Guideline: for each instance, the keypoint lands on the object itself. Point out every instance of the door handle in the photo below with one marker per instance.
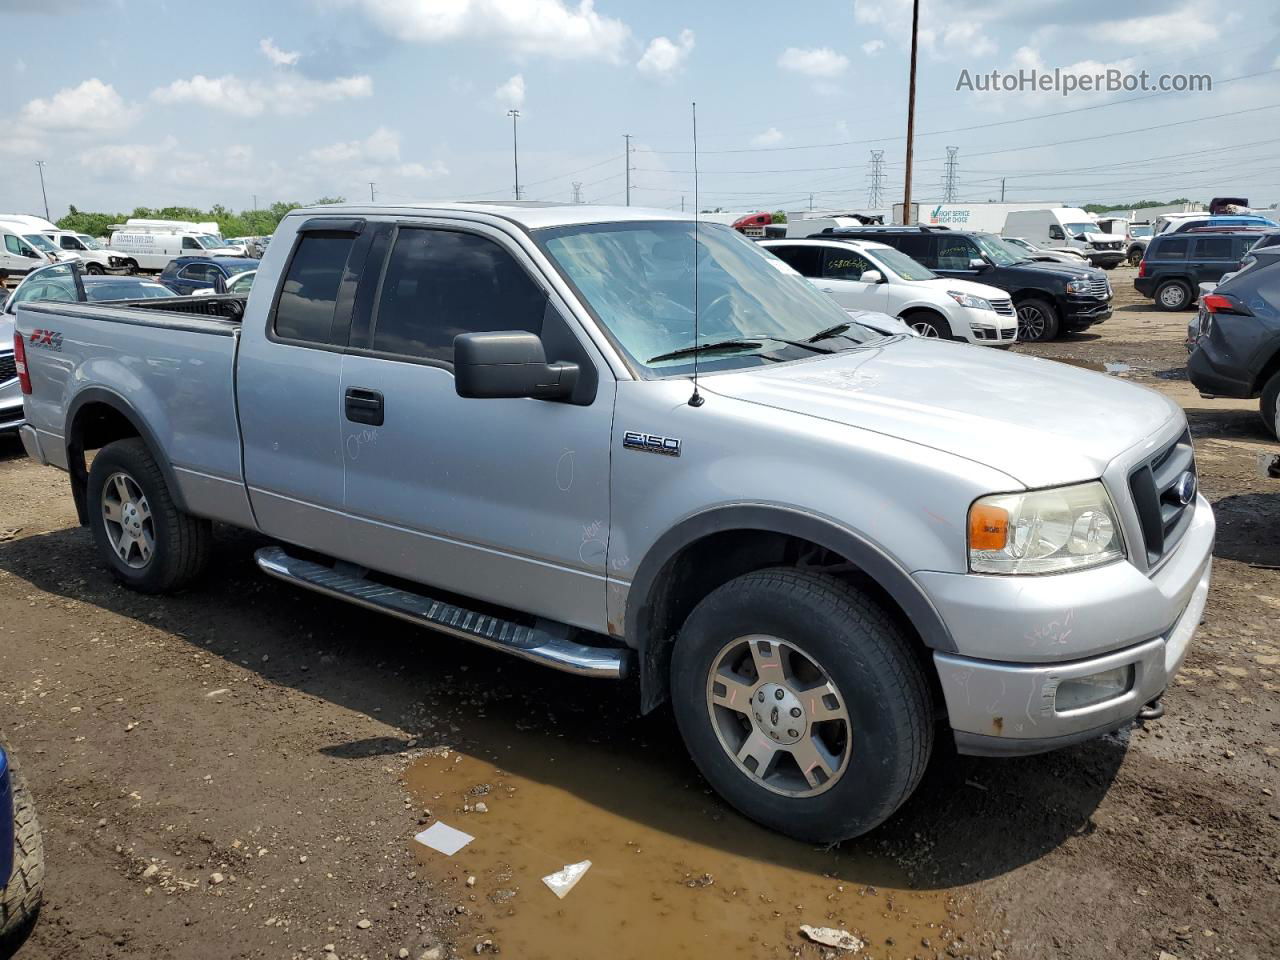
(363, 405)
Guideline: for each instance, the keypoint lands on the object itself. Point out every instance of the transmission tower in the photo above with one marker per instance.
(949, 176)
(875, 194)
(577, 191)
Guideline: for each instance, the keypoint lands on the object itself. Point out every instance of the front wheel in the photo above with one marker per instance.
(802, 703)
(1269, 405)
(149, 544)
(20, 898)
(94, 269)
(1037, 320)
(1173, 295)
(929, 325)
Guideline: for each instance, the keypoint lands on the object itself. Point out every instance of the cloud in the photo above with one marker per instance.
(511, 93)
(376, 155)
(872, 47)
(287, 94)
(281, 58)
(1184, 27)
(131, 160)
(963, 34)
(93, 106)
(663, 58)
(551, 28)
(768, 138)
(822, 62)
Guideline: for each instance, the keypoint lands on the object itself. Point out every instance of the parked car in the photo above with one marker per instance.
(239, 284)
(186, 275)
(1067, 226)
(61, 282)
(1190, 223)
(1140, 235)
(1236, 343)
(90, 251)
(1050, 298)
(862, 275)
(21, 858)
(1030, 251)
(814, 550)
(1177, 263)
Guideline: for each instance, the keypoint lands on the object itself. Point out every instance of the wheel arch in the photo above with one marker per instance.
(98, 416)
(1267, 370)
(711, 548)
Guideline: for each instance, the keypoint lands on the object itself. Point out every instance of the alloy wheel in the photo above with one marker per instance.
(128, 521)
(1031, 322)
(779, 716)
(926, 329)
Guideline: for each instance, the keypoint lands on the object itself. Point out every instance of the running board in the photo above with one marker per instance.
(546, 643)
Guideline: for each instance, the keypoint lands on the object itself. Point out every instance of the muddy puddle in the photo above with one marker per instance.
(675, 873)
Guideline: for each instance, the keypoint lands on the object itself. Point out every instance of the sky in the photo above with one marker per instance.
(153, 103)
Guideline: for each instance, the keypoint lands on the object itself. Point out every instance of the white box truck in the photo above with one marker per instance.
(1070, 227)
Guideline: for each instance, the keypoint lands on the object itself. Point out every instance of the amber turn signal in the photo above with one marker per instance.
(988, 527)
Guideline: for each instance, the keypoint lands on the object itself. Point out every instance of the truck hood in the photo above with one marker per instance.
(1063, 271)
(1041, 422)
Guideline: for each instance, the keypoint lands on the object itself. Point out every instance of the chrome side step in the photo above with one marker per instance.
(546, 643)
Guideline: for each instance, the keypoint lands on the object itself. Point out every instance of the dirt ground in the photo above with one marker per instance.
(239, 771)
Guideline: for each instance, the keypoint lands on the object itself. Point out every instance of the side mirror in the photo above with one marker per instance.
(871, 276)
(977, 263)
(509, 363)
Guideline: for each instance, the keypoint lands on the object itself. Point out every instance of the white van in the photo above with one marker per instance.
(151, 244)
(23, 248)
(1070, 227)
(89, 250)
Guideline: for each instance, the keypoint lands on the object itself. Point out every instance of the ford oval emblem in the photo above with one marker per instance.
(1185, 488)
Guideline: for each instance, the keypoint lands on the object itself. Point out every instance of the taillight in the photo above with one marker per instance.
(1142, 268)
(1218, 303)
(20, 361)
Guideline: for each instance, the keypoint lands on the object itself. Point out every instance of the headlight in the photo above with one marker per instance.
(1078, 286)
(967, 300)
(1044, 531)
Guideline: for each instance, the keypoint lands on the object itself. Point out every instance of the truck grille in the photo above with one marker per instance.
(1100, 287)
(8, 367)
(1003, 307)
(1158, 490)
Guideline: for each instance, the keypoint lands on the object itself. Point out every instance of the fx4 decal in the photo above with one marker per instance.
(48, 339)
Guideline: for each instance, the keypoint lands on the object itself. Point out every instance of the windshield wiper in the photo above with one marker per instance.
(736, 344)
(826, 333)
(802, 344)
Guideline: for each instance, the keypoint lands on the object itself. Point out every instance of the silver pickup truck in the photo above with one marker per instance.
(820, 543)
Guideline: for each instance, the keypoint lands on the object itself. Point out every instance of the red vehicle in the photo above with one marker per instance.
(753, 224)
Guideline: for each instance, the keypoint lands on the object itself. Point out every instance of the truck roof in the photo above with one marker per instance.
(530, 214)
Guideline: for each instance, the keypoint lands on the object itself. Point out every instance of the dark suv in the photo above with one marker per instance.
(1237, 343)
(1177, 263)
(1051, 298)
(186, 275)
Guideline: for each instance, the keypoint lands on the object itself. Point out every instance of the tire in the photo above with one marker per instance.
(929, 325)
(94, 269)
(131, 266)
(20, 900)
(1174, 295)
(1269, 405)
(149, 544)
(1037, 320)
(1135, 256)
(872, 756)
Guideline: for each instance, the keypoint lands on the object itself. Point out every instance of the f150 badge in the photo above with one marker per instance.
(651, 443)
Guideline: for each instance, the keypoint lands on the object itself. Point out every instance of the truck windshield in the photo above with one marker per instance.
(638, 278)
(1143, 231)
(93, 243)
(1074, 228)
(206, 241)
(40, 243)
(996, 250)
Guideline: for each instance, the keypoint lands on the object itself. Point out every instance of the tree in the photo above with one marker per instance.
(779, 216)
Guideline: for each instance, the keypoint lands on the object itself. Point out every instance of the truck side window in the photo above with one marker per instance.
(844, 264)
(1055, 232)
(189, 243)
(1173, 248)
(805, 260)
(440, 283)
(955, 253)
(12, 245)
(310, 291)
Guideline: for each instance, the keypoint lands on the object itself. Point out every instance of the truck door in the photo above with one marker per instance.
(842, 269)
(505, 500)
(288, 387)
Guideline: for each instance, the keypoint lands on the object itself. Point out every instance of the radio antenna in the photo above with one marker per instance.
(695, 400)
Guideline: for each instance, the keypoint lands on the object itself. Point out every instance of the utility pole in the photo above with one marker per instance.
(682, 203)
(627, 157)
(577, 191)
(40, 166)
(911, 113)
(1002, 189)
(875, 195)
(515, 148)
(371, 182)
(255, 201)
(811, 203)
(949, 177)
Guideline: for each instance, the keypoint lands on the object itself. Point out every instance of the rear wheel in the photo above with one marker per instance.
(1269, 405)
(20, 899)
(802, 704)
(1037, 320)
(1135, 256)
(1173, 295)
(149, 544)
(929, 325)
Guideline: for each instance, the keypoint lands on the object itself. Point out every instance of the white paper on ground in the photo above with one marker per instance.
(444, 838)
(562, 881)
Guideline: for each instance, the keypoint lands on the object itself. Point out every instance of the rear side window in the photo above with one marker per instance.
(1173, 248)
(441, 283)
(805, 260)
(919, 247)
(1215, 248)
(1243, 245)
(844, 264)
(310, 292)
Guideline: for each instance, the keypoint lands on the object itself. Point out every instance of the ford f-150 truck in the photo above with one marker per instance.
(618, 442)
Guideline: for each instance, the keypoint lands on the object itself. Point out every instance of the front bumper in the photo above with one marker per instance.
(1023, 637)
(988, 328)
(1106, 258)
(1080, 312)
(11, 416)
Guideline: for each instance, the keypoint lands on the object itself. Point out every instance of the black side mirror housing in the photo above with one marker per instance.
(506, 364)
